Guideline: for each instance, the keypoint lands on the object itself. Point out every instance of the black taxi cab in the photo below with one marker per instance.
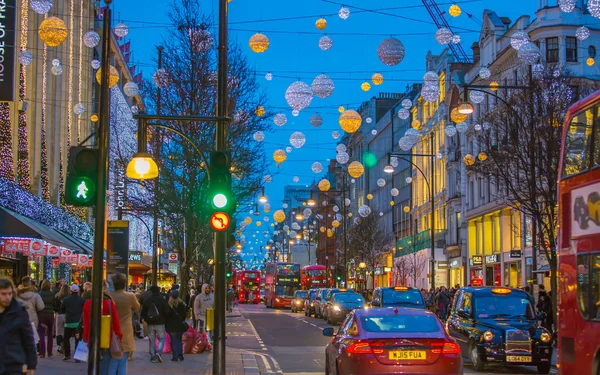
(495, 325)
(398, 296)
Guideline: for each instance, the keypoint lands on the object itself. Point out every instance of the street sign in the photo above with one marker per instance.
(219, 221)
(173, 257)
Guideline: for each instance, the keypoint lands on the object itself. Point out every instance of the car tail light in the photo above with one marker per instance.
(445, 348)
(365, 348)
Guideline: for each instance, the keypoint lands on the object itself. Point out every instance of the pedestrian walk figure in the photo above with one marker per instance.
(82, 190)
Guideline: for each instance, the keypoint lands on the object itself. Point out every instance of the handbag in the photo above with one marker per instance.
(186, 326)
(81, 352)
(116, 346)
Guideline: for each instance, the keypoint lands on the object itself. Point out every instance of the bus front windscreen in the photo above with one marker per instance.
(288, 270)
(285, 291)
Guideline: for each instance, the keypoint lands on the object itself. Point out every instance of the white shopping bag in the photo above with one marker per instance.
(36, 336)
(81, 352)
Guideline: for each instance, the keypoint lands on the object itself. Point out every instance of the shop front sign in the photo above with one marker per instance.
(476, 260)
(456, 263)
(8, 16)
(491, 258)
(135, 257)
(516, 254)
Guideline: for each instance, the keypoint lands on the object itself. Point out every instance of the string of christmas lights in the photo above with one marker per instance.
(23, 166)
(44, 180)
(6, 150)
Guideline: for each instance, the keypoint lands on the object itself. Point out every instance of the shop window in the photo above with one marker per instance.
(596, 137)
(588, 285)
(592, 51)
(571, 44)
(552, 50)
(577, 144)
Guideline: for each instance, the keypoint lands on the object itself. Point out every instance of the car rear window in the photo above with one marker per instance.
(400, 323)
(301, 294)
(348, 297)
(396, 297)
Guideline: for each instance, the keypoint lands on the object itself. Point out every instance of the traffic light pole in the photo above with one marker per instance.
(220, 237)
(100, 223)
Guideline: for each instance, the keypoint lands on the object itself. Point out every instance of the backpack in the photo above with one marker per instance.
(153, 313)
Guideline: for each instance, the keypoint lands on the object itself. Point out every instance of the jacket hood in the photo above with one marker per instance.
(204, 286)
(27, 292)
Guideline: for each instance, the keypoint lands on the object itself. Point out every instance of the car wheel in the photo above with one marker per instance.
(543, 368)
(478, 364)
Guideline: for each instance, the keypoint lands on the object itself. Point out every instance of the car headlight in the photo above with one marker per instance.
(488, 335)
(312, 304)
(298, 302)
(277, 300)
(336, 308)
(545, 337)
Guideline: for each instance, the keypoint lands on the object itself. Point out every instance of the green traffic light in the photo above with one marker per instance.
(228, 274)
(220, 200)
(82, 190)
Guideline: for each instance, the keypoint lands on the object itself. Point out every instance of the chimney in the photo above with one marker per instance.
(476, 52)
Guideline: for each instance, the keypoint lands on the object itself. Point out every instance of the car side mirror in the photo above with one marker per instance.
(464, 313)
(328, 332)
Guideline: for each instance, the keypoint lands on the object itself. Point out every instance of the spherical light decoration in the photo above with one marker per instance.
(121, 30)
(162, 78)
(381, 182)
(364, 210)
(131, 89)
(295, 113)
(394, 161)
(78, 109)
(430, 93)
(366, 86)
(450, 131)
(408, 180)
(279, 156)
(439, 155)
(356, 169)
(342, 157)
(266, 220)
(295, 226)
(486, 126)
(113, 78)
(258, 224)
(201, 40)
(485, 73)
(462, 127)
(335, 223)
(431, 78)
(482, 156)
(268, 76)
(268, 179)
(260, 111)
(288, 149)
(41, 6)
(478, 127)
(529, 53)
(325, 43)
(494, 85)
(412, 135)
(416, 124)
(582, 33)
(94, 118)
(299, 95)
(297, 139)
(469, 159)
(324, 185)
(53, 31)
(454, 10)
(55, 62)
(405, 144)
(590, 61)
(369, 196)
(259, 43)
(457, 116)
(594, 7)
(317, 167)
(403, 113)
(321, 24)
(394, 192)
(391, 51)
(340, 148)
(322, 86)
(519, 39)
(377, 79)
(341, 109)
(456, 39)
(25, 57)
(443, 36)
(259, 136)
(344, 13)
(285, 205)
(316, 120)
(374, 132)
(335, 134)
(406, 103)
(347, 202)
(296, 179)
(330, 233)
(350, 121)
(91, 39)
(248, 220)
(476, 96)
(280, 119)
(335, 208)
(307, 212)
(96, 64)
(566, 6)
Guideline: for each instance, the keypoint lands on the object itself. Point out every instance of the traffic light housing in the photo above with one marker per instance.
(221, 201)
(81, 186)
(228, 271)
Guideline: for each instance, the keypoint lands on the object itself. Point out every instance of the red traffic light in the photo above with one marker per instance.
(219, 221)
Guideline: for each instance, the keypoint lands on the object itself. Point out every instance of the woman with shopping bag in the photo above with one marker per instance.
(111, 348)
(176, 324)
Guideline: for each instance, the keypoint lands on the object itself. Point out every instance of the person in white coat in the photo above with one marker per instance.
(202, 302)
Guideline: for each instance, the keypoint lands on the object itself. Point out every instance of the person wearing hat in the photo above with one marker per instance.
(72, 307)
(176, 324)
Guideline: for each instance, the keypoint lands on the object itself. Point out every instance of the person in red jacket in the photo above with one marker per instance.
(108, 308)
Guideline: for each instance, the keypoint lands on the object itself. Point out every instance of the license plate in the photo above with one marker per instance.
(418, 355)
(518, 358)
(288, 305)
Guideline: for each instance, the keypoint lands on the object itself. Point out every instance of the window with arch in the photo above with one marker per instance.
(592, 51)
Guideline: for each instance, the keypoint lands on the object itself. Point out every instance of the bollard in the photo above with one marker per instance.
(210, 319)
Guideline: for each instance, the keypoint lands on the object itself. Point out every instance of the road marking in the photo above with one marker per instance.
(260, 341)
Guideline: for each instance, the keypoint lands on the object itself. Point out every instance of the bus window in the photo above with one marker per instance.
(588, 285)
(596, 160)
(577, 145)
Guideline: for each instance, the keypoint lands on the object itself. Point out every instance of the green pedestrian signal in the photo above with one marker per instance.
(338, 278)
(81, 183)
(228, 274)
(220, 194)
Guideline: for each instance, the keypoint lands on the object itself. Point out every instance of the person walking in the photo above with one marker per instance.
(46, 317)
(108, 308)
(154, 313)
(27, 295)
(60, 317)
(127, 304)
(87, 290)
(444, 302)
(204, 301)
(192, 304)
(176, 324)
(16, 346)
(72, 307)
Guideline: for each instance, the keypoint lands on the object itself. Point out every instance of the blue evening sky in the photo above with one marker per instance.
(294, 54)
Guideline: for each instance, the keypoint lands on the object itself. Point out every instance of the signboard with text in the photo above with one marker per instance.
(117, 247)
(8, 17)
(120, 189)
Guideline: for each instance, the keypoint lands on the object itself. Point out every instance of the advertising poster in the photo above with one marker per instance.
(117, 247)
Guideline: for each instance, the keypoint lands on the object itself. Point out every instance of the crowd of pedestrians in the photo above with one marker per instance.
(33, 316)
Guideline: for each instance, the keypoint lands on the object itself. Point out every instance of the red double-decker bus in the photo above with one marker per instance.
(579, 240)
(282, 279)
(314, 276)
(248, 286)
